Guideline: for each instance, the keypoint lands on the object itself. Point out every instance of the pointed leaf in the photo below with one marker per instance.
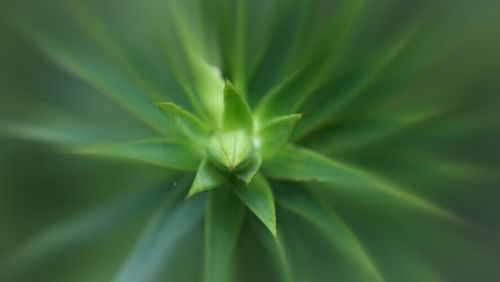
(258, 197)
(305, 205)
(299, 164)
(274, 134)
(78, 229)
(247, 170)
(156, 245)
(187, 123)
(170, 154)
(208, 177)
(237, 113)
(223, 220)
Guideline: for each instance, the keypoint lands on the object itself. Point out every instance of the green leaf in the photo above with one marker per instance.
(156, 245)
(258, 197)
(237, 113)
(187, 123)
(78, 229)
(209, 86)
(305, 205)
(247, 170)
(274, 134)
(170, 154)
(223, 221)
(229, 149)
(208, 177)
(275, 249)
(299, 164)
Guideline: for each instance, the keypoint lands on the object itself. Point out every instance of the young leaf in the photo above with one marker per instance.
(247, 170)
(274, 134)
(223, 220)
(237, 113)
(170, 154)
(208, 177)
(187, 123)
(299, 164)
(258, 197)
(305, 205)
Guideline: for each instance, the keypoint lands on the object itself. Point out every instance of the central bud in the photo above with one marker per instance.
(230, 143)
(231, 150)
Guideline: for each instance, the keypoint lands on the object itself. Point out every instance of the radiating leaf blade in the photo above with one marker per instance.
(305, 205)
(155, 247)
(299, 164)
(274, 134)
(76, 230)
(170, 154)
(223, 220)
(187, 123)
(258, 197)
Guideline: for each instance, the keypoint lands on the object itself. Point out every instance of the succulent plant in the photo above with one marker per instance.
(267, 140)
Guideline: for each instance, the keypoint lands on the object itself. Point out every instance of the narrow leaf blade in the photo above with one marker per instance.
(156, 245)
(223, 220)
(305, 205)
(170, 154)
(299, 164)
(258, 197)
(187, 123)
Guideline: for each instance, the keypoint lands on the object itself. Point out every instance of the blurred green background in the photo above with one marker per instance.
(412, 93)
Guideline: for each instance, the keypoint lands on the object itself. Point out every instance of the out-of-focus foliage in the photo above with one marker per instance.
(392, 174)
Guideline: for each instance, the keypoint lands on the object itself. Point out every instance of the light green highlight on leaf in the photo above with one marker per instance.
(210, 86)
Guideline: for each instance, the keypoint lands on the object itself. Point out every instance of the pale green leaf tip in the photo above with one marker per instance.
(170, 109)
(194, 189)
(272, 228)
